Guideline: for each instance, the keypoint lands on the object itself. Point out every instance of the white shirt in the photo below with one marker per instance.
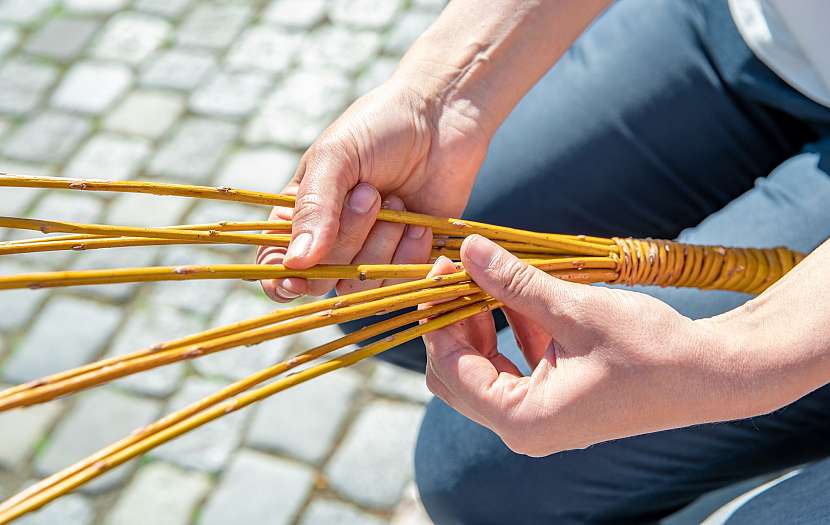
(792, 37)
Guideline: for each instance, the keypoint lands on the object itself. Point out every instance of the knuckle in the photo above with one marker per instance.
(516, 278)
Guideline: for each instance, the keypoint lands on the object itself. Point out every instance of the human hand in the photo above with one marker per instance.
(606, 363)
(395, 147)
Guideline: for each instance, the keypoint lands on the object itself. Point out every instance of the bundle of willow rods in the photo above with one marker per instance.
(444, 299)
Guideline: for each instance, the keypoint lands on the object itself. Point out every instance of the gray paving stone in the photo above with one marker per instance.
(194, 150)
(300, 14)
(376, 74)
(95, 6)
(23, 84)
(198, 297)
(5, 125)
(146, 327)
(92, 87)
(208, 448)
(240, 362)
(410, 510)
(9, 36)
(159, 494)
(406, 30)
(213, 25)
(435, 5)
(99, 418)
(262, 169)
(332, 512)
(178, 69)
(69, 332)
(68, 510)
(23, 11)
(109, 156)
(25, 430)
(374, 463)
(62, 39)
(134, 209)
(264, 48)
(393, 381)
(230, 94)
(15, 201)
(304, 422)
(114, 258)
(368, 14)
(131, 37)
(337, 47)
(48, 137)
(147, 113)
(300, 108)
(170, 8)
(17, 306)
(258, 489)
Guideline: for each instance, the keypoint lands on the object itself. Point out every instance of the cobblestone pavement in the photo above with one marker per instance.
(207, 92)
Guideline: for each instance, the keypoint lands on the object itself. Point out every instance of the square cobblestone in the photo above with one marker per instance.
(115, 258)
(194, 150)
(178, 69)
(16, 201)
(264, 48)
(131, 37)
(393, 381)
(108, 156)
(160, 494)
(134, 209)
(229, 94)
(300, 108)
(300, 14)
(23, 11)
(61, 338)
(213, 25)
(340, 48)
(23, 84)
(240, 362)
(148, 326)
(264, 169)
(406, 30)
(98, 7)
(333, 512)
(48, 137)
(9, 36)
(99, 418)
(30, 426)
(92, 87)
(169, 8)
(374, 463)
(68, 510)
(18, 306)
(367, 14)
(376, 74)
(146, 113)
(258, 489)
(198, 297)
(317, 411)
(208, 448)
(62, 39)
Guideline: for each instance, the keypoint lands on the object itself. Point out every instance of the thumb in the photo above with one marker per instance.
(552, 303)
(325, 180)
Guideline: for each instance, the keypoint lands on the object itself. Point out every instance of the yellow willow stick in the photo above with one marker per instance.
(256, 272)
(568, 244)
(99, 467)
(251, 337)
(222, 226)
(282, 314)
(102, 243)
(211, 236)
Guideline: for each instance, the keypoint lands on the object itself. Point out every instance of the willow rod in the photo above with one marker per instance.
(566, 244)
(282, 314)
(256, 272)
(98, 467)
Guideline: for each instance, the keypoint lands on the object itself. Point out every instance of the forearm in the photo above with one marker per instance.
(784, 334)
(482, 56)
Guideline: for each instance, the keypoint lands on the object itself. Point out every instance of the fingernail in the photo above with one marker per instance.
(299, 246)
(363, 198)
(479, 251)
(285, 294)
(415, 232)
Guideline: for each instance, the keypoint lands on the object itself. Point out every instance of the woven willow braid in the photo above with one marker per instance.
(668, 263)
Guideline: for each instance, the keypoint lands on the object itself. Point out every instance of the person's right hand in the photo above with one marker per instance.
(394, 147)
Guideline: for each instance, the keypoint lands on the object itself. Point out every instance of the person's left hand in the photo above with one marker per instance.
(607, 363)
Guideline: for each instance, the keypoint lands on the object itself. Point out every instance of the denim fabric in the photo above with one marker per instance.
(658, 122)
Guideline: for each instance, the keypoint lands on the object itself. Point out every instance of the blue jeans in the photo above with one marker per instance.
(658, 122)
